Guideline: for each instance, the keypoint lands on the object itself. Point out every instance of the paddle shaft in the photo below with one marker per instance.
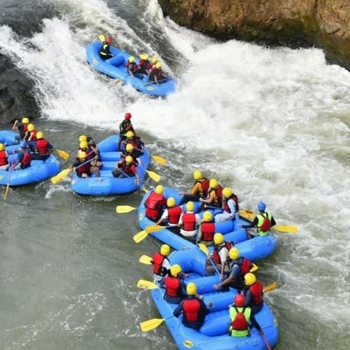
(266, 342)
(8, 183)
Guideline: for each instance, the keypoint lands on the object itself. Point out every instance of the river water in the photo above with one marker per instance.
(273, 124)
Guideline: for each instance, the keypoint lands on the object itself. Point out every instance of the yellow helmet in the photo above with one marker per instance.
(129, 147)
(227, 192)
(190, 206)
(144, 56)
(171, 202)
(165, 250)
(83, 145)
(158, 65)
(25, 120)
(30, 127)
(207, 216)
(213, 183)
(39, 135)
(175, 270)
(191, 289)
(82, 138)
(234, 254)
(128, 160)
(154, 60)
(197, 174)
(159, 189)
(249, 279)
(2, 146)
(81, 155)
(131, 59)
(129, 134)
(218, 238)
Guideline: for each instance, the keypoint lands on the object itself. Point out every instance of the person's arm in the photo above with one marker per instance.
(223, 257)
(162, 218)
(179, 310)
(234, 272)
(199, 234)
(254, 223)
(180, 223)
(20, 156)
(248, 298)
(195, 189)
(136, 175)
(14, 126)
(210, 199)
(273, 221)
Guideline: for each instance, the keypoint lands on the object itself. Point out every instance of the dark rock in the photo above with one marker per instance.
(323, 24)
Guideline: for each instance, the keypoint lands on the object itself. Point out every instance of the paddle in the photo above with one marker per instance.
(101, 37)
(145, 259)
(8, 183)
(266, 342)
(148, 325)
(123, 209)
(140, 236)
(205, 250)
(63, 154)
(64, 173)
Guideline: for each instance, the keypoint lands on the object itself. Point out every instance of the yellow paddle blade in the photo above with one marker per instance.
(247, 214)
(154, 228)
(145, 259)
(117, 81)
(270, 287)
(143, 284)
(159, 160)
(154, 176)
(101, 37)
(254, 268)
(60, 176)
(203, 248)
(147, 326)
(140, 236)
(123, 209)
(62, 154)
(7, 191)
(285, 229)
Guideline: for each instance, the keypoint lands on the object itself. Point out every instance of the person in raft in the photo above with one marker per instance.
(82, 166)
(24, 158)
(157, 75)
(263, 222)
(4, 162)
(193, 308)
(189, 222)
(155, 203)
(161, 264)
(124, 127)
(241, 317)
(229, 205)
(175, 287)
(105, 51)
(43, 148)
(126, 168)
(199, 190)
(21, 127)
(171, 215)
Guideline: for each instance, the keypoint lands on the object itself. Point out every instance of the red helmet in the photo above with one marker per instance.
(108, 40)
(128, 116)
(239, 300)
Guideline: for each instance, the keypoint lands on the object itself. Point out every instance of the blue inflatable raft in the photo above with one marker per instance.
(106, 184)
(115, 68)
(213, 335)
(38, 171)
(254, 249)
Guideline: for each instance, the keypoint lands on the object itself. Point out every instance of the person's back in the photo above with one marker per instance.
(4, 163)
(206, 229)
(174, 285)
(157, 76)
(189, 221)
(105, 51)
(43, 147)
(155, 203)
(199, 189)
(171, 215)
(144, 64)
(253, 293)
(161, 263)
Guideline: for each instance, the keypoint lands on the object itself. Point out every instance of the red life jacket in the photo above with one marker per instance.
(266, 224)
(3, 158)
(90, 153)
(25, 127)
(235, 199)
(157, 263)
(84, 168)
(153, 205)
(33, 134)
(216, 256)
(191, 309)
(128, 169)
(240, 323)
(174, 214)
(173, 286)
(208, 231)
(27, 159)
(131, 66)
(257, 290)
(189, 221)
(205, 185)
(42, 145)
(244, 264)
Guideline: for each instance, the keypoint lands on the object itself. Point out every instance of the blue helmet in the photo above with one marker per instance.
(261, 206)
(23, 144)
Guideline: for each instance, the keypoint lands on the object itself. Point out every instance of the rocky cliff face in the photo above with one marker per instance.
(295, 23)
